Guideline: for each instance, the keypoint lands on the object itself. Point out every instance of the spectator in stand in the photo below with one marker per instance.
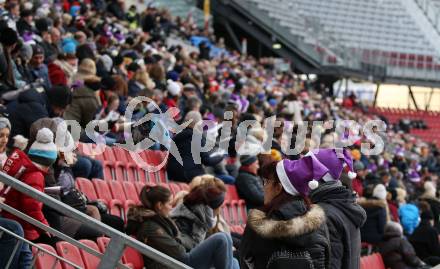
(376, 208)
(287, 223)
(8, 40)
(38, 67)
(190, 169)
(151, 224)
(23, 256)
(358, 182)
(393, 206)
(5, 130)
(430, 196)
(425, 238)
(31, 105)
(396, 251)
(30, 169)
(24, 24)
(249, 185)
(195, 217)
(344, 216)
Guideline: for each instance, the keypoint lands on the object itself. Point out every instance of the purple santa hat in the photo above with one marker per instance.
(336, 161)
(295, 175)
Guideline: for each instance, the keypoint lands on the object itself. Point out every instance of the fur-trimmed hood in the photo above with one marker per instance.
(369, 203)
(139, 213)
(270, 228)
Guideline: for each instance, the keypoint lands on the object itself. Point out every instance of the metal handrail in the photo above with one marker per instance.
(39, 248)
(118, 240)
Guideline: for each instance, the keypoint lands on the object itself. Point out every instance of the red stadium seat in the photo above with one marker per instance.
(131, 172)
(90, 261)
(242, 211)
(119, 172)
(142, 175)
(183, 186)
(174, 188)
(130, 191)
(70, 253)
(127, 205)
(231, 193)
(233, 209)
(139, 186)
(102, 190)
(116, 208)
(86, 186)
(226, 212)
(133, 257)
(372, 261)
(117, 190)
(44, 260)
(108, 172)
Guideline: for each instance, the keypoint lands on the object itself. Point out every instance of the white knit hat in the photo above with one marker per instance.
(429, 188)
(380, 192)
(173, 88)
(43, 151)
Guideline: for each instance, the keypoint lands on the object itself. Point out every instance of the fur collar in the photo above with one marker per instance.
(369, 203)
(270, 228)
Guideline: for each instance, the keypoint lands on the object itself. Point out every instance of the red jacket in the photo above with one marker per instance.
(20, 166)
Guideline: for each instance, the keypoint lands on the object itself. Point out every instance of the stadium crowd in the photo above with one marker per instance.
(87, 60)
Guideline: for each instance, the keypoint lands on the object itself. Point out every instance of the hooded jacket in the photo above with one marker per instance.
(397, 252)
(190, 169)
(434, 203)
(373, 228)
(19, 165)
(156, 231)
(425, 240)
(84, 106)
(193, 222)
(344, 219)
(289, 235)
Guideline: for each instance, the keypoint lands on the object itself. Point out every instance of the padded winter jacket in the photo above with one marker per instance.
(19, 165)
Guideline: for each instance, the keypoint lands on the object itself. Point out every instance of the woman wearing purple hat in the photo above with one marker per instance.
(287, 230)
(344, 215)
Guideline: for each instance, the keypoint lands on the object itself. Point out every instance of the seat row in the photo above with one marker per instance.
(372, 261)
(120, 196)
(80, 257)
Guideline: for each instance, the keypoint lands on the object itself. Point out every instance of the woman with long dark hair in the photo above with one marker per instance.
(151, 224)
(287, 230)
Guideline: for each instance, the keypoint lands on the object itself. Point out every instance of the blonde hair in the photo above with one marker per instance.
(143, 77)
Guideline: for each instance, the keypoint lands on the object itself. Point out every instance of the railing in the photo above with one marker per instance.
(118, 241)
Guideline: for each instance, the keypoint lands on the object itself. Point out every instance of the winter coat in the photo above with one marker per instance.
(373, 228)
(250, 188)
(84, 106)
(156, 231)
(397, 252)
(425, 240)
(344, 219)
(193, 222)
(435, 209)
(286, 236)
(28, 108)
(21, 167)
(190, 169)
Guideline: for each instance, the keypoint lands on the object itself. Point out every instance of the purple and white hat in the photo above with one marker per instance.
(296, 175)
(336, 161)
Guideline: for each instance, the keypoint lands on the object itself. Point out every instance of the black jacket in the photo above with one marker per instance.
(435, 209)
(190, 169)
(158, 232)
(425, 240)
(250, 188)
(373, 229)
(397, 252)
(344, 219)
(28, 108)
(289, 235)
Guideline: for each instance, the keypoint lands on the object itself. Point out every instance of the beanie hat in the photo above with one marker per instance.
(380, 192)
(69, 47)
(173, 88)
(173, 75)
(335, 162)
(5, 123)
(247, 160)
(43, 151)
(8, 37)
(107, 62)
(429, 188)
(37, 50)
(358, 165)
(276, 155)
(87, 67)
(108, 83)
(414, 176)
(59, 96)
(356, 154)
(26, 51)
(295, 175)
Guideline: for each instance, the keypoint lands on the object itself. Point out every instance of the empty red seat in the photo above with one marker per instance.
(70, 253)
(174, 188)
(44, 260)
(130, 191)
(120, 171)
(102, 190)
(231, 193)
(242, 211)
(226, 212)
(139, 186)
(108, 172)
(233, 209)
(116, 208)
(142, 175)
(90, 261)
(131, 172)
(86, 186)
(132, 256)
(372, 261)
(117, 190)
(183, 186)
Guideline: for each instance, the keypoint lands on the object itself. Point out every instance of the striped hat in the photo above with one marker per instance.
(43, 151)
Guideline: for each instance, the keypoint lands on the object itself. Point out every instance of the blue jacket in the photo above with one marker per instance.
(409, 217)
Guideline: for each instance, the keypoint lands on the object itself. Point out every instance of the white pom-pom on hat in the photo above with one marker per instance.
(20, 142)
(44, 135)
(313, 184)
(351, 175)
